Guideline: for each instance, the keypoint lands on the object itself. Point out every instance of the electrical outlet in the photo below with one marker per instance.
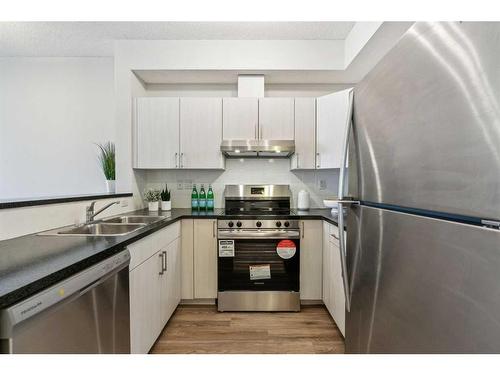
(322, 185)
(179, 185)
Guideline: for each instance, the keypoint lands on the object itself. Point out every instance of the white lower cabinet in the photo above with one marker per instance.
(311, 259)
(333, 286)
(155, 286)
(205, 258)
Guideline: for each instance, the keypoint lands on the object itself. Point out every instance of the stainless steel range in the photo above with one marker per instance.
(259, 250)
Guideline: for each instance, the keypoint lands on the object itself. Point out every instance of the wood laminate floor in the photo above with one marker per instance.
(201, 329)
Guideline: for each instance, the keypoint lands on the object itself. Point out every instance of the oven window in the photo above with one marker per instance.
(269, 270)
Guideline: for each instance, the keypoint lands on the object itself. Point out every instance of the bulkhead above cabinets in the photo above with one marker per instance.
(196, 133)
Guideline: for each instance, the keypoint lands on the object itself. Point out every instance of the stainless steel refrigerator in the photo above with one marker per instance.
(423, 244)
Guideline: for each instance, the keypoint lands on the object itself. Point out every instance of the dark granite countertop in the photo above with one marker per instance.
(31, 263)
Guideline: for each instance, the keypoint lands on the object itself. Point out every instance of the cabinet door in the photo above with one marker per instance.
(205, 258)
(145, 302)
(311, 260)
(156, 132)
(187, 261)
(332, 113)
(327, 268)
(201, 133)
(276, 118)
(305, 134)
(240, 118)
(337, 288)
(173, 276)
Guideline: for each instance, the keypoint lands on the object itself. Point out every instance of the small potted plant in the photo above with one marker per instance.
(107, 161)
(166, 204)
(152, 196)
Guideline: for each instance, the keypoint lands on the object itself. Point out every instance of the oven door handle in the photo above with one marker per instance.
(277, 235)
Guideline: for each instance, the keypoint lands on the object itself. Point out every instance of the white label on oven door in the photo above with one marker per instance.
(226, 248)
(286, 249)
(260, 272)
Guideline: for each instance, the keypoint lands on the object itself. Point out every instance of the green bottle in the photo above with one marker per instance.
(210, 199)
(202, 200)
(194, 198)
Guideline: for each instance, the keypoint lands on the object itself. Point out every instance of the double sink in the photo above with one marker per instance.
(114, 226)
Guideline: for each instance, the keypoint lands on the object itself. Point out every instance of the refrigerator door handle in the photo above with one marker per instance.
(341, 201)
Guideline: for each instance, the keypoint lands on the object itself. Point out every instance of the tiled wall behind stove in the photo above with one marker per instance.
(320, 184)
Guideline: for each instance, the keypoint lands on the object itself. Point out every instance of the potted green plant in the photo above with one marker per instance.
(166, 204)
(152, 196)
(107, 161)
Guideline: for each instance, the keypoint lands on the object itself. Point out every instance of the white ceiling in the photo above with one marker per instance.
(96, 38)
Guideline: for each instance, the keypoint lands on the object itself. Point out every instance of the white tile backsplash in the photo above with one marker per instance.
(245, 171)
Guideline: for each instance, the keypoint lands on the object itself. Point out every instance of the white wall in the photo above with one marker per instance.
(52, 110)
(20, 221)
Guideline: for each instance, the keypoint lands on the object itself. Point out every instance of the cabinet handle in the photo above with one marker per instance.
(297, 160)
(213, 228)
(165, 261)
(318, 162)
(303, 230)
(181, 160)
(255, 131)
(176, 157)
(161, 256)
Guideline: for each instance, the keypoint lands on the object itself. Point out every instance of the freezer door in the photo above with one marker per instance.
(421, 285)
(427, 122)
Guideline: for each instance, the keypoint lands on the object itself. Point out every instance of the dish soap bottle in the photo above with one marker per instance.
(210, 199)
(194, 199)
(202, 201)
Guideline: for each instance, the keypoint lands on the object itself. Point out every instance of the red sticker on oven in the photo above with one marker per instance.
(286, 249)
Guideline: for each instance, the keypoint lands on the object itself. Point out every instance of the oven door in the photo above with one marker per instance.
(260, 260)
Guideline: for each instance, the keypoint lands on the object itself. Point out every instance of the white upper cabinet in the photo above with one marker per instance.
(305, 134)
(201, 133)
(276, 118)
(156, 132)
(332, 119)
(240, 118)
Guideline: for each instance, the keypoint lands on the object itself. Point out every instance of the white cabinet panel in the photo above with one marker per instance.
(156, 132)
(144, 284)
(240, 118)
(327, 269)
(311, 260)
(205, 258)
(276, 118)
(171, 283)
(332, 113)
(305, 134)
(201, 133)
(187, 261)
(338, 288)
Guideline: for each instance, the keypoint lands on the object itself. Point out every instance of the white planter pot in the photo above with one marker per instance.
(110, 185)
(166, 205)
(153, 206)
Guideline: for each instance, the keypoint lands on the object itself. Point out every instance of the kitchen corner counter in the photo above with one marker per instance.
(31, 263)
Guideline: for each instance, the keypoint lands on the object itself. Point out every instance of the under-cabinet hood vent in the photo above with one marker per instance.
(257, 148)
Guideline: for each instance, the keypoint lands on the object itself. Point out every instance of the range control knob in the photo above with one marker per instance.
(230, 224)
(287, 224)
(278, 224)
(238, 224)
(258, 224)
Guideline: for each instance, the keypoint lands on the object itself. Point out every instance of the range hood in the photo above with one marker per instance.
(255, 148)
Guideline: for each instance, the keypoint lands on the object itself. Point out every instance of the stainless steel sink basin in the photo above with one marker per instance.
(134, 219)
(95, 229)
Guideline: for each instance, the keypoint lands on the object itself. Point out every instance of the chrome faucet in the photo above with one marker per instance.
(90, 210)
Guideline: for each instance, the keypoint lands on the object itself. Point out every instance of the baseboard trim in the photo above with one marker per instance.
(198, 301)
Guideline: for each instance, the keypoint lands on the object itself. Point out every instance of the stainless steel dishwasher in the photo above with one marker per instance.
(86, 313)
